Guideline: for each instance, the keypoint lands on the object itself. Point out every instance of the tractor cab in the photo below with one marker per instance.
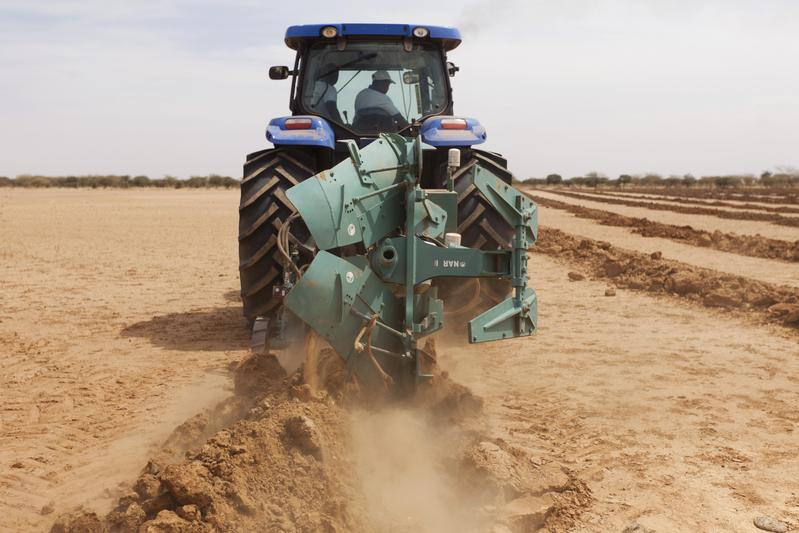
(372, 87)
(355, 81)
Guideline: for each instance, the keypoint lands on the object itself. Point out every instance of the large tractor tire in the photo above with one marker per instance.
(480, 227)
(479, 224)
(264, 208)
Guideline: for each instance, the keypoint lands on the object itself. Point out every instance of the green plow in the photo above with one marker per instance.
(381, 240)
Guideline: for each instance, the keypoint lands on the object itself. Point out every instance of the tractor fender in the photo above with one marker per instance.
(437, 131)
(316, 131)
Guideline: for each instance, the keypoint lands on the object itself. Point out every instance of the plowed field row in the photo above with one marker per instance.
(726, 242)
(786, 211)
(737, 204)
(704, 222)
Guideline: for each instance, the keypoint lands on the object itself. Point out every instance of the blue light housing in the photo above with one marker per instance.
(304, 130)
(452, 131)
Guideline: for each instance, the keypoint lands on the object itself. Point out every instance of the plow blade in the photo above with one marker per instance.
(508, 319)
(349, 306)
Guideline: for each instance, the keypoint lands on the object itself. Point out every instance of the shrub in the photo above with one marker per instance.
(140, 181)
(26, 180)
(121, 182)
(651, 179)
(196, 182)
(625, 179)
(554, 179)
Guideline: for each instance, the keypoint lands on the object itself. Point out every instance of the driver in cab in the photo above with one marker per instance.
(374, 109)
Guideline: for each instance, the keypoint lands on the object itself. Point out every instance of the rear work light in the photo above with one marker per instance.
(421, 32)
(453, 124)
(329, 32)
(298, 124)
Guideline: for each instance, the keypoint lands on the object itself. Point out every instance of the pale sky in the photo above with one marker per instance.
(617, 86)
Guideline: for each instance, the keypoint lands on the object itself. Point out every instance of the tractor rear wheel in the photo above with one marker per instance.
(480, 227)
(264, 208)
(479, 224)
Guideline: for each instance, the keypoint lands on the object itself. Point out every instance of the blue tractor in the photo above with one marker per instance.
(354, 86)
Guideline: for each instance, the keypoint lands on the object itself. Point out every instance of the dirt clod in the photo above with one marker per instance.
(767, 523)
(128, 498)
(610, 291)
(170, 522)
(303, 433)
(189, 483)
(719, 299)
(189, 512)
(127, 521)
(576, 276)
(147, 486)
(684, 283)
(613, 268)
(78, 521)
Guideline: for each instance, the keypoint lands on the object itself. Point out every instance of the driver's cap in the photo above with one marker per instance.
(382, 75)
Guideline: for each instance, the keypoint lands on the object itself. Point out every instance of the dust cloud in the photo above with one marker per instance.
(408, 474)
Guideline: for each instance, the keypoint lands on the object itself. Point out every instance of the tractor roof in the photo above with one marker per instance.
(295, 35)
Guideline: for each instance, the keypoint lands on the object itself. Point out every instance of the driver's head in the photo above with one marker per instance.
(381, 81)
(329, 73)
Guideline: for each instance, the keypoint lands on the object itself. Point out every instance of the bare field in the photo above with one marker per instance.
(666, 196)
(765, 270)
(785, 210)
(119, 318)
(705, 222)
(115, 315)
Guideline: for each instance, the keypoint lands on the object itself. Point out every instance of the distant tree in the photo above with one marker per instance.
(728, 181)
(196, 182)
(5, 181)
(595, 179)
(229, 182)
(554, 179)
(688, 180)
(140, 181)
(651, 179)
(624, 179)
(780, 180)
(27, 180)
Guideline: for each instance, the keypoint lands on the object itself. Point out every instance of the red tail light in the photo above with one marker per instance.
(453, 124)
(298, 124)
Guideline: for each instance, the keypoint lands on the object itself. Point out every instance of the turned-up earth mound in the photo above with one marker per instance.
(279, 456)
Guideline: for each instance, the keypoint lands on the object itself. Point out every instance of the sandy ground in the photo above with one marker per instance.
(705, 222)
(118, 314)
(704, 200)
(770, 271)
(677, 417)
(115, 315)
(665, 201)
